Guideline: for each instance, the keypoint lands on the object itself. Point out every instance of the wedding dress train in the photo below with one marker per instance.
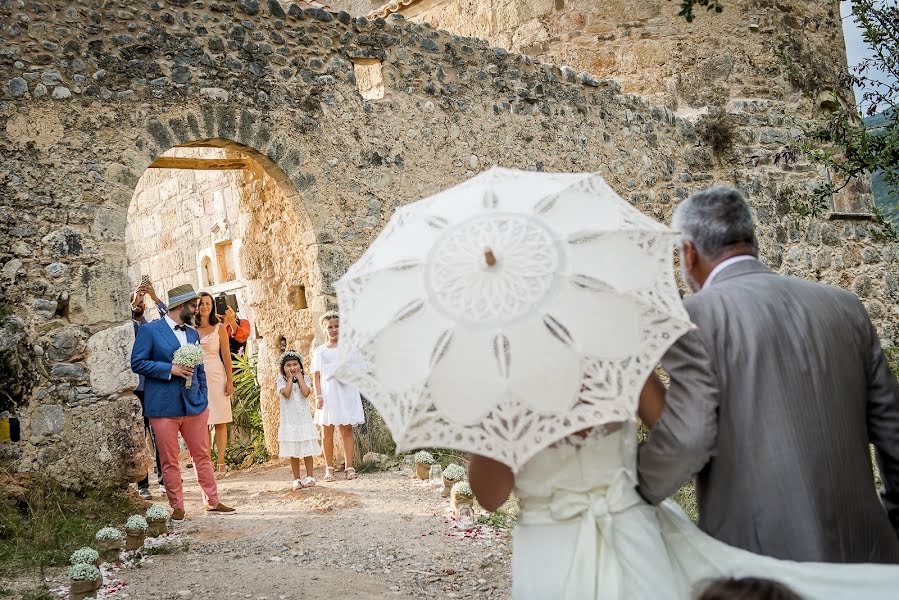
(584, 533)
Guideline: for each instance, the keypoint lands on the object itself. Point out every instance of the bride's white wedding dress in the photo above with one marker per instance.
(585, 533)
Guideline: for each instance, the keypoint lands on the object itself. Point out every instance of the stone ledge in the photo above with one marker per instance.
(850, 216)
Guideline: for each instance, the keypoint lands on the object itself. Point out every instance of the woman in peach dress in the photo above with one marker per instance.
(217, 362)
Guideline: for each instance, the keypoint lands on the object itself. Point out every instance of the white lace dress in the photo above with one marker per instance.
(297, 435)
(343, 403)
(585, 533)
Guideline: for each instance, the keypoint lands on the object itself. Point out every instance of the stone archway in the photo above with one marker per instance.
(176, 235)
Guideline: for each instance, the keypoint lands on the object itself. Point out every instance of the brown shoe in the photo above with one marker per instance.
(178, 514)
(219, 508)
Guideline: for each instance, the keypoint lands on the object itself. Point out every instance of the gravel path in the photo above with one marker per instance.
(381, 535)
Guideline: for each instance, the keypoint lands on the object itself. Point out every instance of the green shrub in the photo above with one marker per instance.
(45, 523)
(371, 436)
(246, 438)
(892, 357)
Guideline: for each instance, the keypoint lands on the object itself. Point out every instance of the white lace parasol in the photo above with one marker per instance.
(509, 311)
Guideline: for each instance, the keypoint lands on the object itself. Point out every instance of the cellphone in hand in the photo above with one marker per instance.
(220, 305)
(144, 280)
(224, 301)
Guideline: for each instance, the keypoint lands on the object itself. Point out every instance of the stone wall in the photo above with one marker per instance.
(94, 92)
(279, 259)
(178, 217)
(174, 216)
(788, 51)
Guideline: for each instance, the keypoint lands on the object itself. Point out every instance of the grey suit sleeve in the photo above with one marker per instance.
(883, 426)
(683, 439)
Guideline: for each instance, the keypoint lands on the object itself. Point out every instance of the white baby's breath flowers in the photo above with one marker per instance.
(423, 457)
(108, 533)
(157, 512)
(462, 488)
(84, 572)
(454, 472)
(188, 355)
(84, 556)
(136, 523)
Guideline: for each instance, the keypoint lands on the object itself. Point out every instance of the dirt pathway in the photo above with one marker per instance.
(381, 535)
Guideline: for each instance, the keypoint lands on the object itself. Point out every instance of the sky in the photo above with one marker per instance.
(856, 50)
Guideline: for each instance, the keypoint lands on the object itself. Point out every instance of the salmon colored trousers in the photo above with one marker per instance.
(195, 431)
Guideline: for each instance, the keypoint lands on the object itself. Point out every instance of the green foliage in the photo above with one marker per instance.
(892, 357)
(247, 439)
(38, 593)
(686, 7)
(804, 204)
(45, 524)
(371, 436)
(718, 132)
(503, 517)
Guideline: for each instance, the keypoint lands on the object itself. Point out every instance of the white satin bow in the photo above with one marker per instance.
(594, 568)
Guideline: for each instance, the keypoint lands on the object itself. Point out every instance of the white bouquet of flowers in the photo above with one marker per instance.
(188, 355)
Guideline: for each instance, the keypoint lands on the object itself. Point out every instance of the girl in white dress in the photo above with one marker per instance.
(297, 436)
(338, 404)
(585, 534)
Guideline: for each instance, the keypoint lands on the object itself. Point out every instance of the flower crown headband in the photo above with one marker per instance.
(291, 355)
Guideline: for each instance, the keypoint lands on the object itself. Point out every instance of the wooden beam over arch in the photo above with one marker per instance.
(199, 164)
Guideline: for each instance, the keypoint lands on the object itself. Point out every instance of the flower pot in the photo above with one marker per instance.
(79, 590)
(447, 486)
(457, 501)
(422, 470)
(157, 528)
(134, 539)
(109, 550)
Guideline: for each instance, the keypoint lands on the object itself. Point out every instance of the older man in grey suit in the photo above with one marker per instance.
(773, 402)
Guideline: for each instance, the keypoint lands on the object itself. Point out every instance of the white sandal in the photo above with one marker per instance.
(308, 481)
(329, 474)
(350, 473)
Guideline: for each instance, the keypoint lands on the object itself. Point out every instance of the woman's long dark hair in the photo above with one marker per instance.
(213, 318)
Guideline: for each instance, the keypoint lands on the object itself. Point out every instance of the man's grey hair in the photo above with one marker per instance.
(715, 220)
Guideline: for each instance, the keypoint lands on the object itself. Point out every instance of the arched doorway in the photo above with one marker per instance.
(218, 215)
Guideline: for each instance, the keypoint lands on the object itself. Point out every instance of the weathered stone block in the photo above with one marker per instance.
(47, 420)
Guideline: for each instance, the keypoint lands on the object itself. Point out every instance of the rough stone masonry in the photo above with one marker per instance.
(93, 91)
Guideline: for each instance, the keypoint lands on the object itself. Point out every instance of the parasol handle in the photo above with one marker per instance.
(489, 257)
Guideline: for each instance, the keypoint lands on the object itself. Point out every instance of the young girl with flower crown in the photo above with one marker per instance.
(297, 436)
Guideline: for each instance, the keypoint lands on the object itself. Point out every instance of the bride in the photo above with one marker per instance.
(584, 532)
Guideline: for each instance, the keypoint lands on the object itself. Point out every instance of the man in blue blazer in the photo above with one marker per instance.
(171, 407)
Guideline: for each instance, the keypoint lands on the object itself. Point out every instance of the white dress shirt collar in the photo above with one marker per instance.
(723, 265)
(179, 333)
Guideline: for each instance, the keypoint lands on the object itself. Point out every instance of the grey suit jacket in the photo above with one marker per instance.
(773, 402)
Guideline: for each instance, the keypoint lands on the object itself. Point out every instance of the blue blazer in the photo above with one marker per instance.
(165, 394)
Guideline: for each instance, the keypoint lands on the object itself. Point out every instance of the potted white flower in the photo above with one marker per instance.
(423, 461)
(461, 494)
(135, 530)
(452, 474)
(109, 543)
(157, 520)
(84, 581)
(85, 556)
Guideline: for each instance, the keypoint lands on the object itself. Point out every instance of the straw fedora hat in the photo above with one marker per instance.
(181, 294)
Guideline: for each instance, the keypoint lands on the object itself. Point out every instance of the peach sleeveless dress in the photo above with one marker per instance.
(219, 403)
